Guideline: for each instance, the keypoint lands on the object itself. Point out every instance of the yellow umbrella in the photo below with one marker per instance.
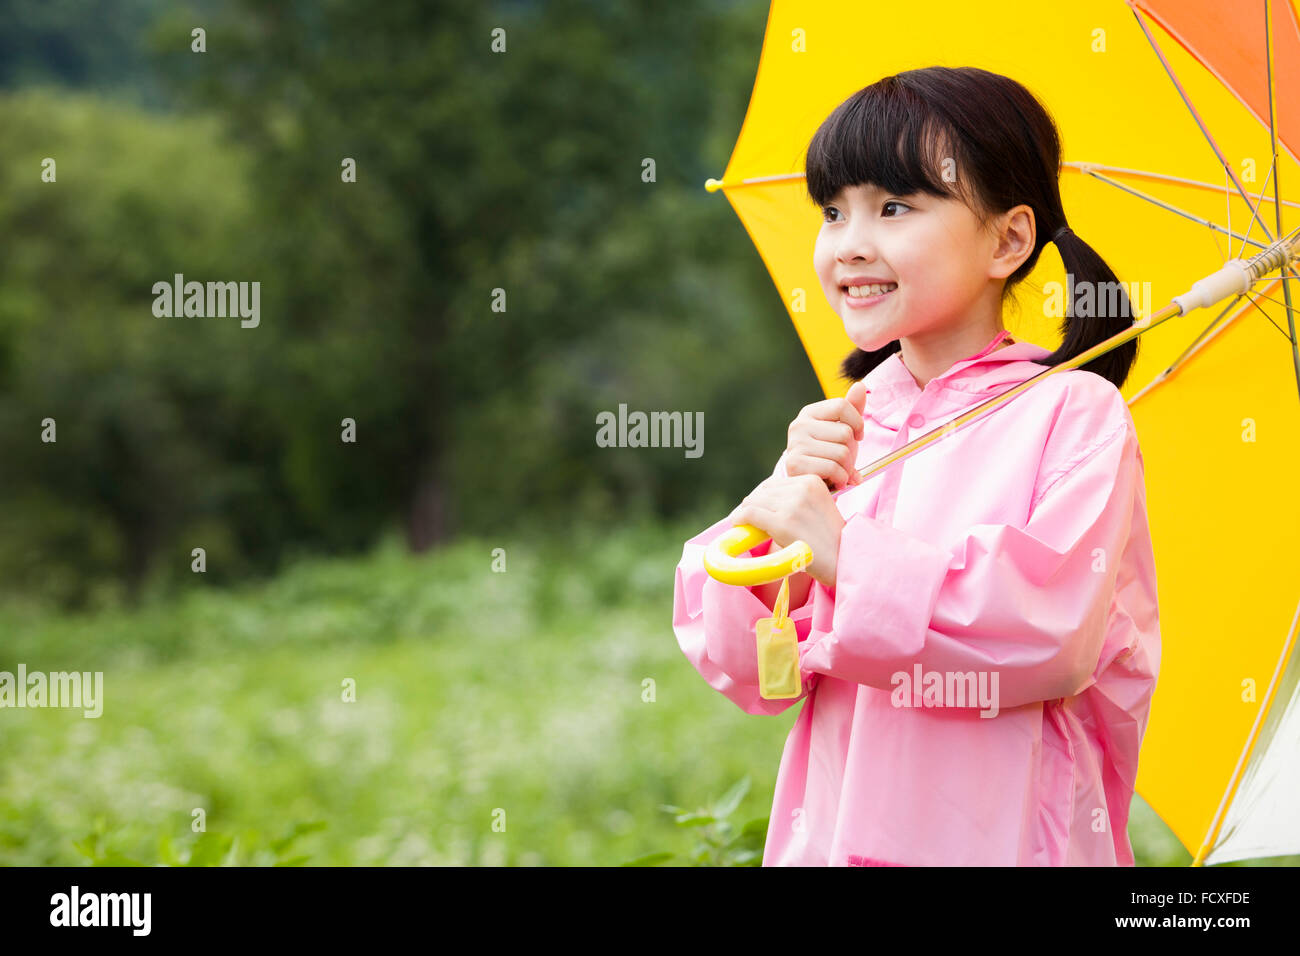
(1167, 112)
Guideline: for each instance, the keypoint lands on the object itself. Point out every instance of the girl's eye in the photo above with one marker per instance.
(828, 210)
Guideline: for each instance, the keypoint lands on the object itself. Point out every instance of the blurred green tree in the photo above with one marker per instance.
(476, 171)
(521, 170)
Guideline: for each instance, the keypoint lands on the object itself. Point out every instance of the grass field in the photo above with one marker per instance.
(498, 719)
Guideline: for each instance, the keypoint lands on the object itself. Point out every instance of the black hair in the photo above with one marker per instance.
(896, 133)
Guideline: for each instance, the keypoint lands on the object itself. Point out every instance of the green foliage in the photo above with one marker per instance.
(103, 847)
(476, 690)
(79, 44)
(522, 691)
(719, 842)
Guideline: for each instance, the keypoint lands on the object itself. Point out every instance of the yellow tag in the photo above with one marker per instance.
(778, 651)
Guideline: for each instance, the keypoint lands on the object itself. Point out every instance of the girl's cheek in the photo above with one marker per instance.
(825, 276)
(821, 261)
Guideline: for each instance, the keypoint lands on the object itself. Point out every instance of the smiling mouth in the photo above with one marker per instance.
(857, 298)
(868, 291)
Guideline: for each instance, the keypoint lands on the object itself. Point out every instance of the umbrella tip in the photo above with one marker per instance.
(713, 185)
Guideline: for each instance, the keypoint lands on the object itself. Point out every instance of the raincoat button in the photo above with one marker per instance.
(915, 421)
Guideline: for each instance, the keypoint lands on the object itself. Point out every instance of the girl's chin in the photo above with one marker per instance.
(871, 343)
(874, 346)
(869, 329)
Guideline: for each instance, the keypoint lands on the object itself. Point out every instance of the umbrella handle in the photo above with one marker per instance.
(722, 558)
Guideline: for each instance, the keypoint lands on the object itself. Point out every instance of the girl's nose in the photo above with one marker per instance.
(857, 243)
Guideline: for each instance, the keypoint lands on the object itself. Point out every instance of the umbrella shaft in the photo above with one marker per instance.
(979, 411)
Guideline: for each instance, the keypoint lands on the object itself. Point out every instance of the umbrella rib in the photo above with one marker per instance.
(1192, 109)
(1283, 278)
(1254, 214)
(1269, 298)
(1187, 353)
(1227, 204)
(1084, 166)
(1267, 316)
(713, 185)
(1174, 209)
(1205, 335)
(1272, 135)
(1230, 792)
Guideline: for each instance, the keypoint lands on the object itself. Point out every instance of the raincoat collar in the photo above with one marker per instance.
(987, 368)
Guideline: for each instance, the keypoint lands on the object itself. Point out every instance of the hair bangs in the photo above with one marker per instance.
(883, 136)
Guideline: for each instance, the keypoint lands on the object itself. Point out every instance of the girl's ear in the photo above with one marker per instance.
(1016, 239)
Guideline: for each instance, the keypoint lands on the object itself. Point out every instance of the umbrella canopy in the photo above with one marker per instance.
(1164, 113)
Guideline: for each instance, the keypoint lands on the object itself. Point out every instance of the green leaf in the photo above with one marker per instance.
(651, 860)
(694, 819)
(731, 799)
(167, 852)
(87, 847)
(299, 829)
(207, 849)
(232, 857)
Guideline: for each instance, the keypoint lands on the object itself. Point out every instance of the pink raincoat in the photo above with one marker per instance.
(1013, 556)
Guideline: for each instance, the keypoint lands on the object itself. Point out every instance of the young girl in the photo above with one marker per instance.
(979, 638)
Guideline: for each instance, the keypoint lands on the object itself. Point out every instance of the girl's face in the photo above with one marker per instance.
(934, 252)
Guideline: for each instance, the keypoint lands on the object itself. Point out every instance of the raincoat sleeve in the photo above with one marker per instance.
(1029, 604)
(714, 624)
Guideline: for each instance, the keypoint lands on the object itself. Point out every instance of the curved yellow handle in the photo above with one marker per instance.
(722, 558)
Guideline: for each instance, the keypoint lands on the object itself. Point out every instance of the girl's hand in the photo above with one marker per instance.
(797, 509)
(823, 439)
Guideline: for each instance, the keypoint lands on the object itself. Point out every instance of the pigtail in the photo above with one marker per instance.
(859, 362)
(1110, 312)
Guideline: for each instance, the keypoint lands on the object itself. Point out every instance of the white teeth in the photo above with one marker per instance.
(857, 291)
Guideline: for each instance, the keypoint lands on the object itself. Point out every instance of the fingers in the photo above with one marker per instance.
(834, 474)
(758, 515)
(848, 409)
(834, 455)
(851, 478)
(838, 409)
(822, 439)
(857, 397)
(851, 411)
(837, 431)
(842, 453)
